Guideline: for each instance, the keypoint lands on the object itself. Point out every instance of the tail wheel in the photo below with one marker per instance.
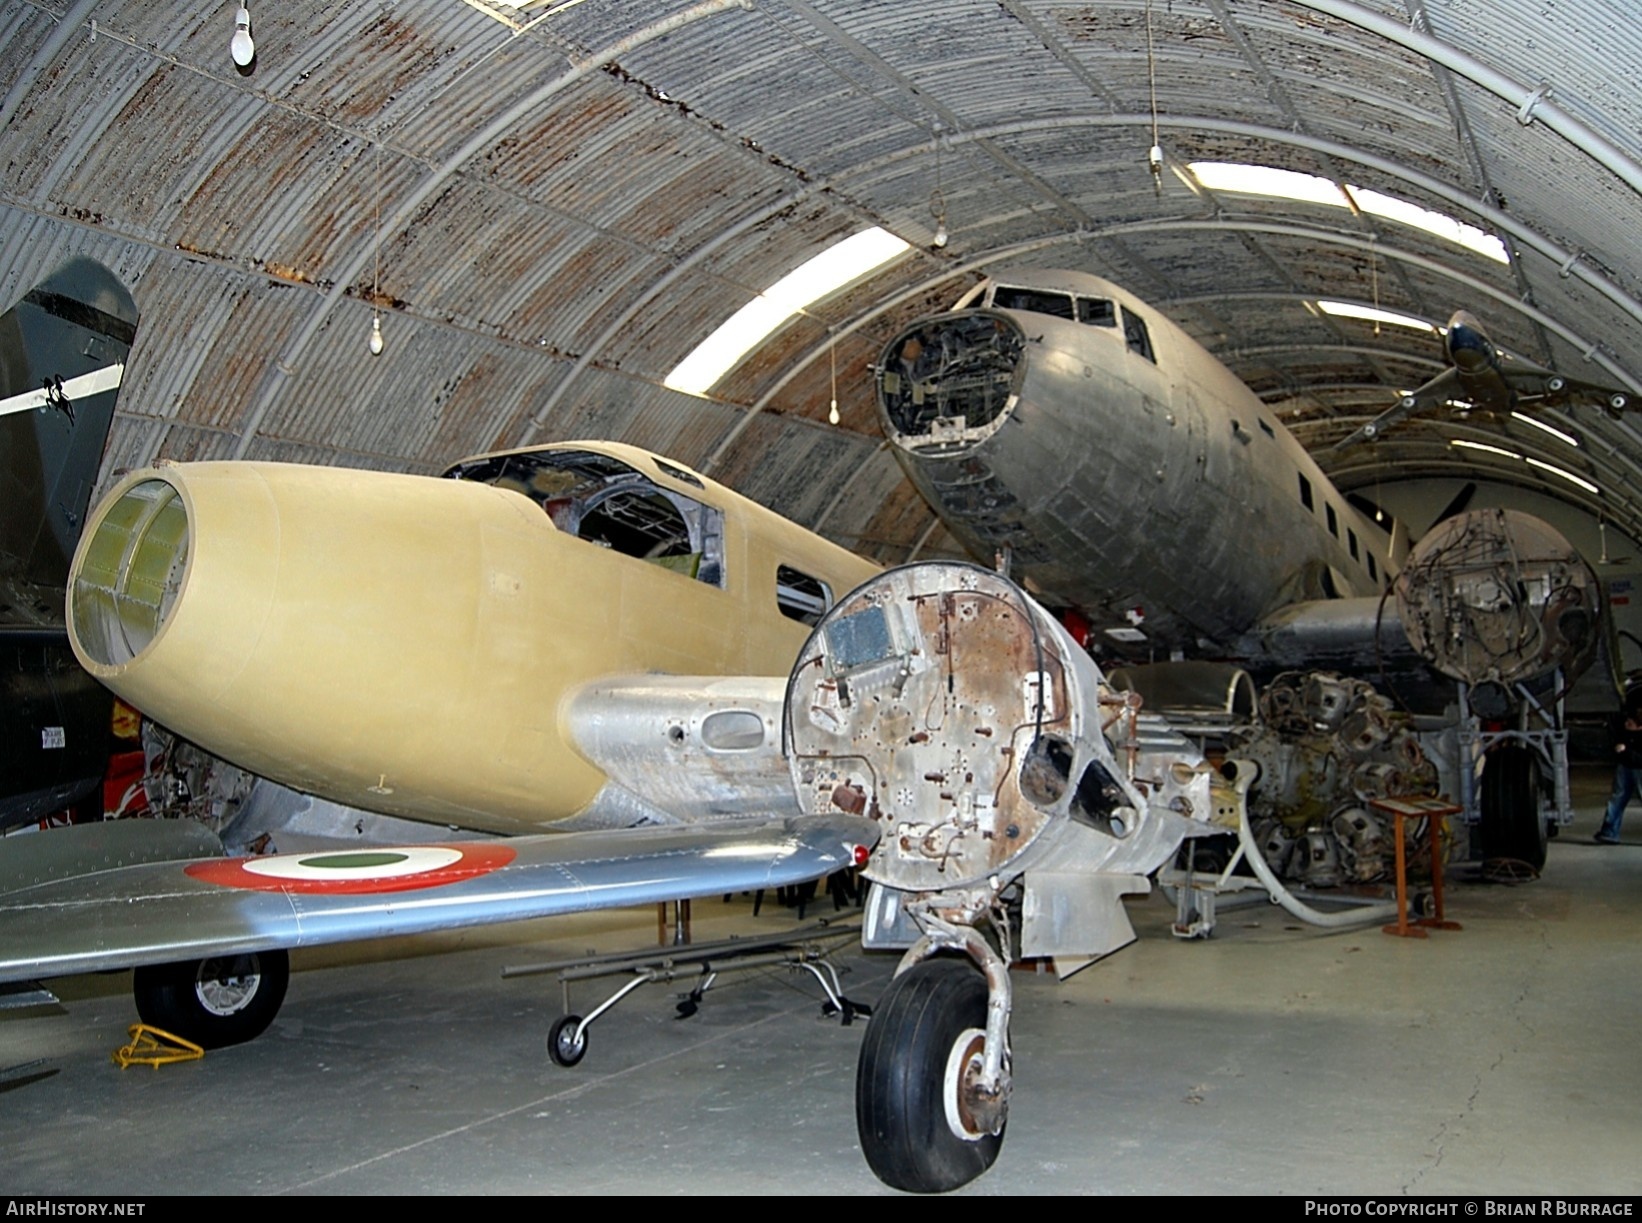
(1513, 824)
(924, 1125)
(223, 1000)
(563, 1045)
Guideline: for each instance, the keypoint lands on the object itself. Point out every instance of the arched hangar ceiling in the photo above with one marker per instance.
(552, 205)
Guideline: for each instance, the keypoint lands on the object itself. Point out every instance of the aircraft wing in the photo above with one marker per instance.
(1541, 388)
(159, 912)
(1521, 388)
(1439, 390)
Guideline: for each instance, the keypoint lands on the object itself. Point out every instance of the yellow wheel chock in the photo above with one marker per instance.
(155, 1047)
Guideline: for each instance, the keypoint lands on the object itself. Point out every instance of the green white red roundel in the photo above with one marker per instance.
(401, 868)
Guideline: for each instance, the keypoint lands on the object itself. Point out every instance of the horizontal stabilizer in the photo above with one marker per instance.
(162, 912)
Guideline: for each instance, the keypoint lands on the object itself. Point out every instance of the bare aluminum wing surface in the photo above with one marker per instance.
(156, 912)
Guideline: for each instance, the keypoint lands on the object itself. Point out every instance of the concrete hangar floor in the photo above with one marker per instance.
(1271, 1059)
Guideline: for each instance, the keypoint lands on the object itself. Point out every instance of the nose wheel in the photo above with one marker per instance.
(926, 1121)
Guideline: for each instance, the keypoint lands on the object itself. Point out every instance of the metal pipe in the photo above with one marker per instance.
(1382, 911)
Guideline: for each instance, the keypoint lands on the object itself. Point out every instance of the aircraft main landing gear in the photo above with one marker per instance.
(220, 1001)
(1513, 819)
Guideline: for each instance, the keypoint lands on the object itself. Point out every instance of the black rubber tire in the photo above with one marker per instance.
(1512, 824)
(562, 1045)
(215, 1002)
(900, 1080)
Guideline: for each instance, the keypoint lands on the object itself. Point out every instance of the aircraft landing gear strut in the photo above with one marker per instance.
(932, 1083)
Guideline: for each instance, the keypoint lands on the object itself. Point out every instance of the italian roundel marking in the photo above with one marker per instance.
(404, 868)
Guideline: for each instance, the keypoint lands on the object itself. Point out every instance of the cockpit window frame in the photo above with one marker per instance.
(1137, 336)
(581, 491)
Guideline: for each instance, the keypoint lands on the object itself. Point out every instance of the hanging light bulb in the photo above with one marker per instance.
(832, 366)
(240, 46)
(376, 336)
(937, 199)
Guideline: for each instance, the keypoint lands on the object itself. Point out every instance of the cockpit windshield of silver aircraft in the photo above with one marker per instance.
(1094, 311)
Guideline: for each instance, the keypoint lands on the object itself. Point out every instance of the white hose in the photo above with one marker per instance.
(1357, 915)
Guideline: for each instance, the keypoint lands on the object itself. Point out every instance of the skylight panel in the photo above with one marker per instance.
(1566, 475)
(839, 265)
(1499, 450)
(1569, 438)
(1311, 189)
(1531, 461)
(1436, 223)
(1267, 180)
(1374, 314)
(514, 14)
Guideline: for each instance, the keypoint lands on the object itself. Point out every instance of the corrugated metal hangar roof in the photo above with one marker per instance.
(551, 206)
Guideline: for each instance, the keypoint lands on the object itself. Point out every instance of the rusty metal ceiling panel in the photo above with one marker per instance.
(1580, 205)
(432, 395)
(790, 466)
(435, 117)
(375, 67)
(673, 159)
(182, 443)
(146, 163)
(808, 392)
(196, 359)
(606, 405)
(874, 478)
(64, 114)
(772, 83)
(894, 528)
(1584, 49)
(258, 207)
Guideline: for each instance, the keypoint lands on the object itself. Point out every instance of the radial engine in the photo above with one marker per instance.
(1326, 746)
(1497, 597)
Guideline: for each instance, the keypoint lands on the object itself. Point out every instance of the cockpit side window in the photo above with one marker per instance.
(1136, 335)
(1097, 312)
(801, 597)
(608, 503)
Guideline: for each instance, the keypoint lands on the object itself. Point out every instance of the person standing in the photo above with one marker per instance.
(1628, 771)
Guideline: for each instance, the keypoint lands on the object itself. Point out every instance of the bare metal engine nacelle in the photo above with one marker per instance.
(1497, 596)
(941, 702)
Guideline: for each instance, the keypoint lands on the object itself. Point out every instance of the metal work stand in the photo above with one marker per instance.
(1433, 811)
(806, 949)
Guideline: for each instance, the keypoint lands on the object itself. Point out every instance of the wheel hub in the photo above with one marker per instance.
(971, 1112)
(226, 984)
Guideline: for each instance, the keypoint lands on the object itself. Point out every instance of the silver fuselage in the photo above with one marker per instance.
(1128, 472)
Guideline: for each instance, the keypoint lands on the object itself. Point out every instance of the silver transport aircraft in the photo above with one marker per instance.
(1057, 422)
